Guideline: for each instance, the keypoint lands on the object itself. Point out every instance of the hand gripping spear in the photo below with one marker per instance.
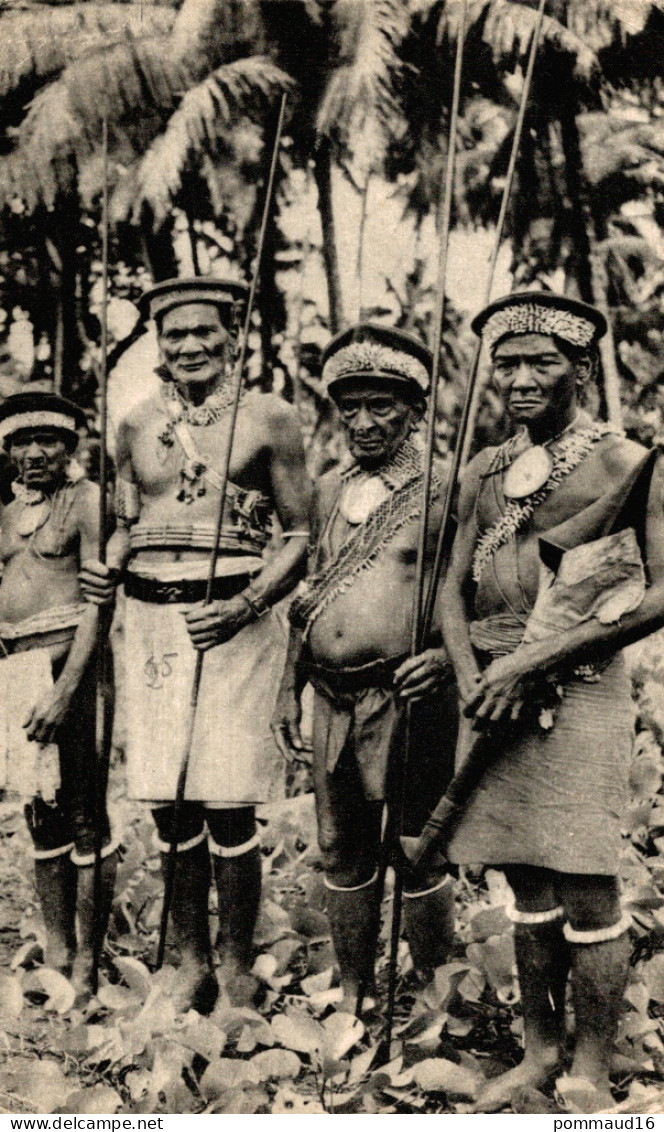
(418, 637)
(169, 876)
(460, 788)
(103, 692)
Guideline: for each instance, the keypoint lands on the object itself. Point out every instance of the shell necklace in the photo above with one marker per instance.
(179, 410)
(532, 468)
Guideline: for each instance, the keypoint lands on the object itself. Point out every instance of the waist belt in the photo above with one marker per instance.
(10, 645)
(190, 590)
(376, 674)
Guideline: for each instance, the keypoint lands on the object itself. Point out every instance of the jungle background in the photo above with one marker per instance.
(190, 92)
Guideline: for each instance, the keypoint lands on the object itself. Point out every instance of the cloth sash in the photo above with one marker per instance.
(233, 755)
(26, 767)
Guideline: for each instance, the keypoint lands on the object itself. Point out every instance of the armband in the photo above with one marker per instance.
(257, 605)
(296, 534)
(127, 503)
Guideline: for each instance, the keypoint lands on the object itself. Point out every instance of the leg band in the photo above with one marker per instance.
(83, 859)
(354, 888)
(547, 917)
(183, 846)
(233, 850)
(447, 880)
(600, 935)
(49, 854)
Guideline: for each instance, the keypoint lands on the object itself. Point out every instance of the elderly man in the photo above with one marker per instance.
(351, 637)
(170, 454)
(47, 675)
(545, 587)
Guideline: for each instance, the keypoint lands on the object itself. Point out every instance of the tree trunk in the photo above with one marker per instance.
(590, 271)
(323, 177)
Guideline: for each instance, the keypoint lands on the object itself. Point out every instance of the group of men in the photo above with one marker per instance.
(558, 563)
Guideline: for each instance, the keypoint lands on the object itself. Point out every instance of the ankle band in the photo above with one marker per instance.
(83, 859)
(353, 888)
(600, 935)
(444, 883)
(547, 917)
(233, 850)
(50, 854)
(183, 846)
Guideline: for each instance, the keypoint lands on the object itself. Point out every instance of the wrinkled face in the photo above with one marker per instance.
(193, 343)
(377, 417)
(40, 456)
(536, 381)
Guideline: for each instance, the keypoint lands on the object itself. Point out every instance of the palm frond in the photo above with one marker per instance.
(217, 31)
(362, 89)
(612, 146)
(245, 88)
(599, 22)
(508, 27)
(36, 45)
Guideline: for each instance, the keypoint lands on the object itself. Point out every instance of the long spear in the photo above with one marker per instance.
(472, 399)
(169, 877)
(102, 721)
(417, 638)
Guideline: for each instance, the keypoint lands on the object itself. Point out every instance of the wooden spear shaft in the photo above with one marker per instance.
(169, 871)
(471, 403)
(417, 635)
(103, 714)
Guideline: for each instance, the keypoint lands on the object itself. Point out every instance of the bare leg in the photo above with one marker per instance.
(197, 987)
(352, 916)
(599, 977)
(429, 926)
(542, 957)
(91, 928)
(55, 881)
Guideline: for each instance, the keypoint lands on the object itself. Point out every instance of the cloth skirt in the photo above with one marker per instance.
(26, 768)
(555, 798)
(233, 755)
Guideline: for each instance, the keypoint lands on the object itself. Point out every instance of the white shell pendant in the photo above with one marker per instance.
(528, 473)
(360, 497)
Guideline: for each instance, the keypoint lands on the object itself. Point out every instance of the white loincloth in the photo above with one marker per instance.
(26, 767)
(234, 757)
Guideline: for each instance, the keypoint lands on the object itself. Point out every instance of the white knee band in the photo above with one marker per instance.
(600, 935)
(89, 858)
(547, 917)
(183, 846)
(444, 883)
(50, 854)
(233, 850)
(353, 888)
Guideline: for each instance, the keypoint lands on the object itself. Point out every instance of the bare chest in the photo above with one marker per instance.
(158, 456)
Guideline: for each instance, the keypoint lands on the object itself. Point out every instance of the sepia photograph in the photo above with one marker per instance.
(331, 560)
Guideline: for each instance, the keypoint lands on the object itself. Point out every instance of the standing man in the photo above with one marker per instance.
(350, 639)
(170, 454)
(548, 810)
(47, 675)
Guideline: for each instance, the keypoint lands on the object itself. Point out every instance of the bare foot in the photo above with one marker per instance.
(81, 978)
(195, 988)
(597, 1080)
(531, 1073)
(60, 957)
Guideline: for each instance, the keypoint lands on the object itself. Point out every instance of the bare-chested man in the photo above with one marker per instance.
(351, 638)
(548, 810)
(47, 674)
(170, 454)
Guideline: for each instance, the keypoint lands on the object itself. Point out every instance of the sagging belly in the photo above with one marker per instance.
(369, 621)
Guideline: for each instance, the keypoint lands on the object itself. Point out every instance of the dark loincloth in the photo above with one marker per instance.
(359, 722)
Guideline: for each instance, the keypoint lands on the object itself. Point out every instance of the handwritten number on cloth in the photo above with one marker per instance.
(158, 669)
